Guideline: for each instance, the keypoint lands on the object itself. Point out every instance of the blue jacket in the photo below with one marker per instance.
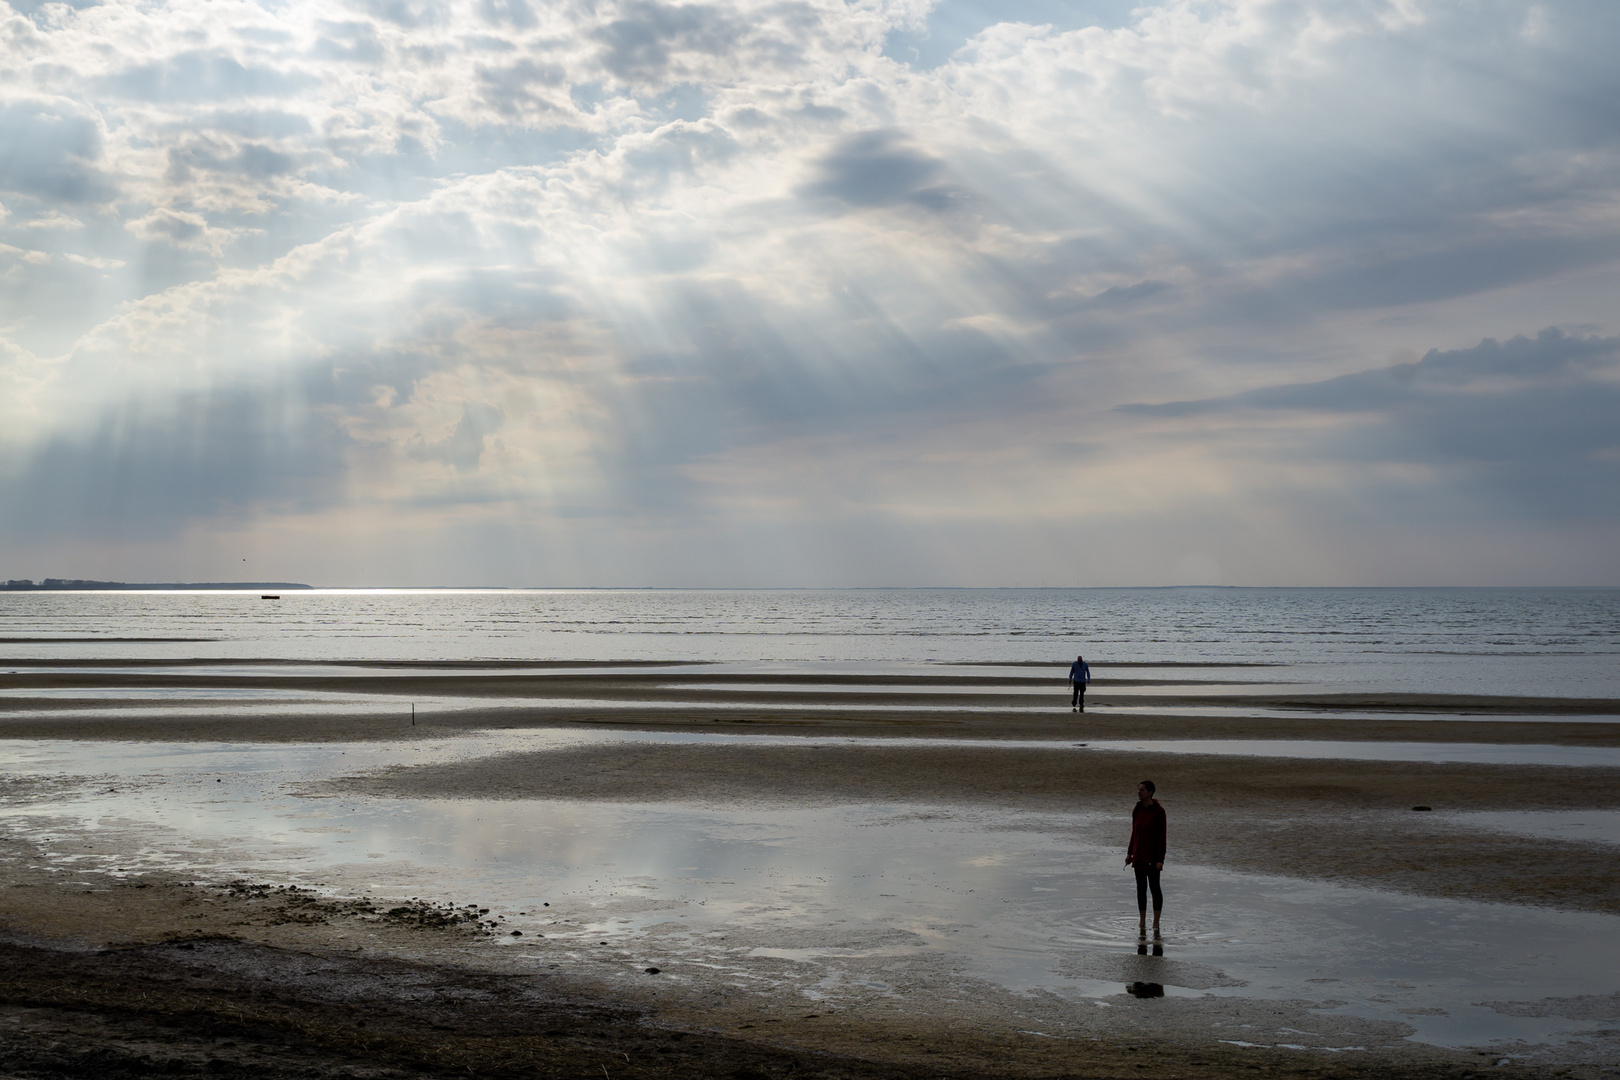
(1080, 673)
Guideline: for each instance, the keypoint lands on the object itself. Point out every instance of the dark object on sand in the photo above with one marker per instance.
(1423, 808)
(1145, 989)
(652, 971)
(269, 596)
(517, 933)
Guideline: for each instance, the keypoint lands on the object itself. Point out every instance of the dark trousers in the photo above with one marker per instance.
(1148, 878)
(1079, 695)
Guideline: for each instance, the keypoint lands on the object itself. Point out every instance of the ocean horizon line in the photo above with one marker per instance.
(93, 585)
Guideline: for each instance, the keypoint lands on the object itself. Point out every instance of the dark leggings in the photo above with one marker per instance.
(1079, 694)
(1148, 878)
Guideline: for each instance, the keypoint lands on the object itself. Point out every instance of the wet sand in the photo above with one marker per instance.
(254, 724)
(106, 973)
(1346, 821)
(104, 976)
(489, 679)
(283, 702)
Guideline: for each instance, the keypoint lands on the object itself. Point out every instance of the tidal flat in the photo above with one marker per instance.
(700, 870)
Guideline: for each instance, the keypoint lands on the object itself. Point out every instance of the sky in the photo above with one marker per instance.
(811, 293)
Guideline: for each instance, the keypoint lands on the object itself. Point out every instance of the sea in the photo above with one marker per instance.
(1544, 642)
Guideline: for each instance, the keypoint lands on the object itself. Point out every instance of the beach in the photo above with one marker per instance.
(282, 969)
(550, 539)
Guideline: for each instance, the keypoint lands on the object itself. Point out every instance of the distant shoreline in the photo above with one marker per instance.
(78, 585)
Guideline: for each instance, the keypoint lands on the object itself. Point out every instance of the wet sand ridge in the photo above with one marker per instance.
(554, 680)
(1339, 820)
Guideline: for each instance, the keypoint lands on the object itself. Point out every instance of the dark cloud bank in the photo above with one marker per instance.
(1536, 417)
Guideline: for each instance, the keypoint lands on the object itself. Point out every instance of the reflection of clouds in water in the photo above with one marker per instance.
(830, 896)
(1595, 826)
(1483, 753)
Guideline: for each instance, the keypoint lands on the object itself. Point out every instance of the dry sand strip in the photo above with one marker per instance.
(1338, 820)
(104, 978)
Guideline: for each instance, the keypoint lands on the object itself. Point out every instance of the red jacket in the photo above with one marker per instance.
(1147, 834)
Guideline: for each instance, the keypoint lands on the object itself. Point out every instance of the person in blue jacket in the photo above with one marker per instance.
(1079, 675)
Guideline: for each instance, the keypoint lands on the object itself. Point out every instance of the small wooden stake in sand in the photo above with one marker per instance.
(413, 714)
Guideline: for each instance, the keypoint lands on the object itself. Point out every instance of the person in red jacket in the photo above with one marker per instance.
(1146, 852)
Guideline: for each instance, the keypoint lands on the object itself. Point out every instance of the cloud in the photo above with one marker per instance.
(183, 229)
(1530, 421)
(464, 446)
(1552, 360)
(514, 13)
(255, 123)
(359, 42)
(404, 14)
(647, 38)
(150, 471)
(876, 168)
(253, 161)
(204, 76)
(526, 87)
(52, 151)
(753, 267)
(55, 219)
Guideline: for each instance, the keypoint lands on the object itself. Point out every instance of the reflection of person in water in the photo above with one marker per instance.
(1079, 675)
(1146, 852)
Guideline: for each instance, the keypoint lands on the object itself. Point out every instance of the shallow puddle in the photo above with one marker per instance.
(1607, 757)
(1314, 712)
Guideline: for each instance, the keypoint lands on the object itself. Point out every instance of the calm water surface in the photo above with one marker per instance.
(1563, 642)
